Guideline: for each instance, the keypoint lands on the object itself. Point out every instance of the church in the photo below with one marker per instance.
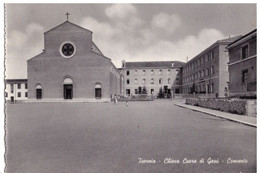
(71, 67)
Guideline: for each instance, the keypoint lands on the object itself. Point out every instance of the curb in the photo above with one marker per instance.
(219, 116)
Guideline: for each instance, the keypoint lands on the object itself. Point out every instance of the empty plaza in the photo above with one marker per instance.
(149, 137)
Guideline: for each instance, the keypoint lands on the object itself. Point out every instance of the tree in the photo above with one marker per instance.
(144, 90)
(139, 90)
(161, 93)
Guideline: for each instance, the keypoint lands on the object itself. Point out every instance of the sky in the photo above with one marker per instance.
(130, 32)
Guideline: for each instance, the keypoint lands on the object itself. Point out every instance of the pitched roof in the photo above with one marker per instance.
(230, 39)
(36, 56)
(242, 37)
(153, 64)
(67, 22)
(218, 42)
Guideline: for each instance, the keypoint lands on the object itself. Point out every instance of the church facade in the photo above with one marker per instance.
(71, 67)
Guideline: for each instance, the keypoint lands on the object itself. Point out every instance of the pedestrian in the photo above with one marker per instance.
(114, 99)
(126, 103)
(225, 92)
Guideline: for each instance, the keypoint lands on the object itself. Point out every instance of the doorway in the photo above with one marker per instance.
(12, 99)
(38, 93)
(98, 91)
(68, 91)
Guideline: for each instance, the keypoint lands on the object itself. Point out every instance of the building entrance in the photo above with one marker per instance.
(68, 91)
(38, 93)
(98, 91)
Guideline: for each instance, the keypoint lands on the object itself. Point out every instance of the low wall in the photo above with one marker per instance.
(237, 106)
(209, 95)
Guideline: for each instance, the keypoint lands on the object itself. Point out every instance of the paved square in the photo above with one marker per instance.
(104, 137)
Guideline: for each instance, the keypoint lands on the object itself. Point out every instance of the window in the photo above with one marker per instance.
(212, 88)
(19, 86)
(143, 72)
(207, 72)
(152, 81)
(169, 71)
(160, 71)
(152, 90)
(25, 85)
(199, 74)
(212, 55)
(244, 51)
(127, 72)
(6, 94)
(12, 88)
(144, 81)
(67, 50)
(244, 76)
(212, 70)
(203, 60)
(169, 81)
(203, 73)
(136, 91)
(19, 94)
(152, 72)
(127, 81)
(160, 81)
(136, 81)
(136, 72)
(26, 94)
(207, 58)
(199, 62)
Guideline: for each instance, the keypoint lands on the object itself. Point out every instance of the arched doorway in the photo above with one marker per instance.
(38, 91)
(68, 88)
(98, 91)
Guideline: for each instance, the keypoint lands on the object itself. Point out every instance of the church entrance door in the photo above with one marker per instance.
(68, 91)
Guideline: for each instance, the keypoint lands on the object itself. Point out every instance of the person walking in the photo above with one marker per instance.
(115, 99)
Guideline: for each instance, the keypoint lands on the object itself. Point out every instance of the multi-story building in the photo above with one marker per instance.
(207, 73)
(242, 65)
(16, 90)
(151, 75)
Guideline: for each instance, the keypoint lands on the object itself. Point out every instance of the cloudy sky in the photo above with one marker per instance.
(131, 32)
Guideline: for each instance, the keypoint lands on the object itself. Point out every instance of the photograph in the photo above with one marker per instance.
(130, 87)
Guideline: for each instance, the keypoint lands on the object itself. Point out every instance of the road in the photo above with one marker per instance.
(104, 137)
